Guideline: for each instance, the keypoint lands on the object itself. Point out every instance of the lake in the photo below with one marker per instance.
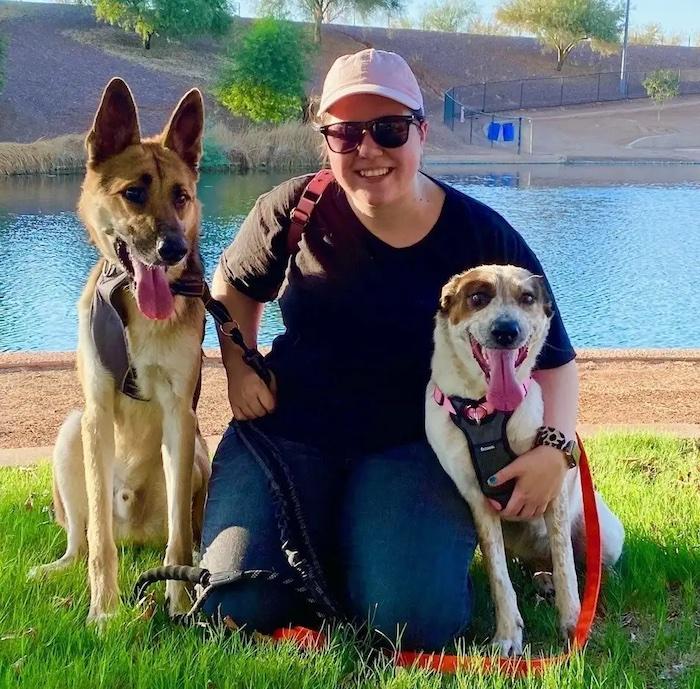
(620, 245)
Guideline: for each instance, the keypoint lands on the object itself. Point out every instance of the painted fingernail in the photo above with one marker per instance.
(492, 480)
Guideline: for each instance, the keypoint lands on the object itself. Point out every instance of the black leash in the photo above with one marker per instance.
(306, 577)
(230, 329)
(209, 583)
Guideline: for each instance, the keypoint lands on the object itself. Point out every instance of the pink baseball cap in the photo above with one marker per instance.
(371, 71)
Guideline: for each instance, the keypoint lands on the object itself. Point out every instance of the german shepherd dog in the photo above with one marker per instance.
(489, 331)
(136, 467)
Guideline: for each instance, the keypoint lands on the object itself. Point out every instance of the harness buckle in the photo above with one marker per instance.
(228, 327)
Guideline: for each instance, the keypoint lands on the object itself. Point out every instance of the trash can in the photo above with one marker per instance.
(508, 131)
(493, 131)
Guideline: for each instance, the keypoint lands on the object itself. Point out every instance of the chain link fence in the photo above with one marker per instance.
(519, 94)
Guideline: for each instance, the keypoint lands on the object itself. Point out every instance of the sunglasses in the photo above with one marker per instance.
(387, 132)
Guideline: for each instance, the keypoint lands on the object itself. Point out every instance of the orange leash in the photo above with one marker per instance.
(516, 667)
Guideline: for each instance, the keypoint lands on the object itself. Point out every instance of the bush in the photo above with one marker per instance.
(662, 85)
(268, 65)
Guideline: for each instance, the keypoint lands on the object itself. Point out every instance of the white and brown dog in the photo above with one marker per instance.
(491, 326)
(132, 465)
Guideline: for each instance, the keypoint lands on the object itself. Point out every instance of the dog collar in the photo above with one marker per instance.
(471, 410)
(474, 411)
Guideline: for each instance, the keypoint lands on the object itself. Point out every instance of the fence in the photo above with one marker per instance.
(497, 96)
(485, 129)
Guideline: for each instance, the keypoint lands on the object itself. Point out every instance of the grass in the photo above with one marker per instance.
(647, 633)
(289, 146)
(62, 155)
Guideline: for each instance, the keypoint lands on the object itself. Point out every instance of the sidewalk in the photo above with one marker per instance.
(649, 390)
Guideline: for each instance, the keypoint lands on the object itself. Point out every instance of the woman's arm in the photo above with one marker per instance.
(248, 395)
(560, 394)
(540, 472)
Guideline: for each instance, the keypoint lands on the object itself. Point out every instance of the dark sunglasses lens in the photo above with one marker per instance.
(343, 137)
(391, 132)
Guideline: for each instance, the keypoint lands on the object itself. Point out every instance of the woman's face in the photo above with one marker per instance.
(371, 175)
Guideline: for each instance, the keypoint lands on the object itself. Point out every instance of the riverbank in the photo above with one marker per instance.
(655, 390)
(290, 146)
(613, 134)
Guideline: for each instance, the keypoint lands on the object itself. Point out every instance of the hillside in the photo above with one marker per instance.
(59, 59)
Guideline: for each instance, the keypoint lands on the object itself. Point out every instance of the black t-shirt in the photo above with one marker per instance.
(354, 360)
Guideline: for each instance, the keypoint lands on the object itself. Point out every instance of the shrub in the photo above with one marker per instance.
(268, 65)
(662, 85)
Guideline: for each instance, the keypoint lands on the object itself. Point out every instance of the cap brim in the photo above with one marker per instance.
(398, 96)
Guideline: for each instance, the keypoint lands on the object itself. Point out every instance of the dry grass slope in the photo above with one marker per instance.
(62, 155)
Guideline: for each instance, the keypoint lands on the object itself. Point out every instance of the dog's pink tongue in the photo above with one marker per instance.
(504, 391)
(153, 294)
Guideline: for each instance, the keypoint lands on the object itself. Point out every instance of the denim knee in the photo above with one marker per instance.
(258, 606)
(407, 541)
(415, 619)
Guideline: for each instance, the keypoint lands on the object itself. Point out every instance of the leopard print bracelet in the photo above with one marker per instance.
(548, 435)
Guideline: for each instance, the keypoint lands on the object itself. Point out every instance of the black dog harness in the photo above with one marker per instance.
(485, 430)
(108, 319)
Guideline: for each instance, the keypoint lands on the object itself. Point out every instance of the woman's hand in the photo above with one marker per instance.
(248, 395)
(539, 475)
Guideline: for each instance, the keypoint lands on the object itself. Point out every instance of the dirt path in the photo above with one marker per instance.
(617, 387)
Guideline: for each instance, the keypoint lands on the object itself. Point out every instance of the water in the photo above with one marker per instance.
(620, 245)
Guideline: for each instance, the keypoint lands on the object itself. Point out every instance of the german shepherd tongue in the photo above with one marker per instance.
(504, 391)
(153, 294)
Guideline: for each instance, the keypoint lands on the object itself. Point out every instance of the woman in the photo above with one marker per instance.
(372, 513)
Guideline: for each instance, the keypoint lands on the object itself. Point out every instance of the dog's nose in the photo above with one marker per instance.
(171, 249)
(505, 332)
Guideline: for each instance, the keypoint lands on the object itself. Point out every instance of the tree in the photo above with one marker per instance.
(651, 34)
(279, 9)
(563, 24)
(325, 11)
(174, 18)
(267, 68)
(662, 85)
(449, 15)
(487, 27)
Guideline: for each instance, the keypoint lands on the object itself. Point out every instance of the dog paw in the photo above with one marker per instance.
(177, 599)
(38, 572)
(98, 619)
(509, 637)
(569, 619)
(544, 584)
(509, 648)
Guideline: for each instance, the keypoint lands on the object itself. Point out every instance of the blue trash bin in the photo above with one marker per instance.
(493, 131)
(508, 131)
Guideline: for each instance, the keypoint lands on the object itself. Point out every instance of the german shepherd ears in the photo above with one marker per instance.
(116, 126)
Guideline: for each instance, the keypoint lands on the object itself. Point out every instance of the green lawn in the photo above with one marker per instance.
(647, 633)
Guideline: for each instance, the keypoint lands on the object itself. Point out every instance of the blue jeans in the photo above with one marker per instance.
(389, 530)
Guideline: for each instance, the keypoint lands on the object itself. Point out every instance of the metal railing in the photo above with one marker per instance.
(520, 94)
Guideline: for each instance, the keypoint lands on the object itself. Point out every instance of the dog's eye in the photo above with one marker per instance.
(479, 299)
(181, 199)
(135, 195)
(527, 298)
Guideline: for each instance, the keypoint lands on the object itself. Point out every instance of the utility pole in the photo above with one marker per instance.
(623, 84)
